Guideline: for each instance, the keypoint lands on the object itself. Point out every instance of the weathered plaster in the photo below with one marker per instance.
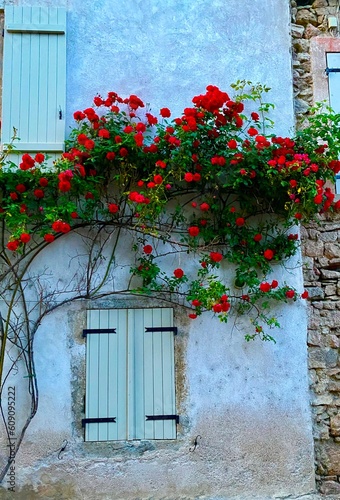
(247, 401)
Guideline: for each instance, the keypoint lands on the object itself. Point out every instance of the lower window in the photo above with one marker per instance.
(130, 375)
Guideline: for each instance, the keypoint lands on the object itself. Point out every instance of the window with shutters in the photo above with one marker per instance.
(333, 72)
(34, 78)
(325, 62)
(130, 375)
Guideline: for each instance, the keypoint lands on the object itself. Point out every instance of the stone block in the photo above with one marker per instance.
(314, 248)
(330, 488)
(334, 386)
(311, 31)
(321, 400)
(334, 341)
(316, 292)
(329, 236)
(297, 30)
(335, 425)
(314, 338)
(332, 250)
(330, 275)
(319, 3)
(332, 458)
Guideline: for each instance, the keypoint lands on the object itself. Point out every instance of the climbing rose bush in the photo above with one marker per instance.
(214, 182)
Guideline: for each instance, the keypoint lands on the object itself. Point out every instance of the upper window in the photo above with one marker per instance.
(130, 378)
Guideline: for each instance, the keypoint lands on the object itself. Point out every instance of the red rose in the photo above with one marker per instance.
(178, 273)
(274, 284)
(188, 176)
(268, 254)
(204, 207)
(25, 237)
(290, 294)
(265, 287)
(64, 186)
(193, 231)
(240, 221)
(89, 196)
(78, 116)
(39, 157)
(158, 179)
(255, 116)
(232, 144)
(147, 249)
(110, 155)
(21, 188)
(113, 208)
(89, 144)
(197, 177)
(123, 152)
(225, 306)
(217, 308)
(43, 182)
(293, 183)
(252, 131)
(13, 245)
(305, 295)
(192, 315)
(257, 237)
(165, 112)
(151, 185)
(216, 256)
(49, 237)
(318, 199)
(196, 303)
(39, 193)
(74, 215)
(160, 164)
(82, 138)
(104, 133)
(298, 216)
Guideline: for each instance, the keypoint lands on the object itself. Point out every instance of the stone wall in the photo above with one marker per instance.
(322, 279)
(321, 254)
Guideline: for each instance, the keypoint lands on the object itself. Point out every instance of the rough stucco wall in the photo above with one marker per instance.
(249, 402)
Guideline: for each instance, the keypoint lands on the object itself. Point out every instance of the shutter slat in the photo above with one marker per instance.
(139, 370)
(118, 382)
(103, 376)
(148, 375)
(169, 403)
(158, 374)
(92, 378)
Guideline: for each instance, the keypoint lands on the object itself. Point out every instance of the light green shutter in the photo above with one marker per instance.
(155, 374)
(130, 374)
(333, 62)
(34, 78)
(106, 375)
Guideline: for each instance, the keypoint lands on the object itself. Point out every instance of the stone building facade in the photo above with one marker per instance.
(311, 39)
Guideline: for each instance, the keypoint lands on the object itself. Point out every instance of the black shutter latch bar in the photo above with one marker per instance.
(163, 417)
(97, 420)
(332, 70)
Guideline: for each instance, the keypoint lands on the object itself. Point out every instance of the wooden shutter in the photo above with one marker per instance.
(333, 62)
(34, 78)
(130, 375)
(154, 388)
(106, 381)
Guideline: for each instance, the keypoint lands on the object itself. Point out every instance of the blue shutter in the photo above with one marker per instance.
(130, 375)
(34, 78)
(333, 62)
(105, 399)
(154, 389)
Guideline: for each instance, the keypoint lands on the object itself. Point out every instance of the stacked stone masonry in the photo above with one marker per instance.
(321, 251)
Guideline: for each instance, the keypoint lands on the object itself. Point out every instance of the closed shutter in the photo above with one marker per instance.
(105, 400)
(333, 62)
(140, 372)
(34, 78)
